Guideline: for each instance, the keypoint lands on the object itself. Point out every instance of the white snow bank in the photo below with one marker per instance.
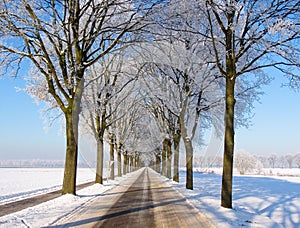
(258, 201)
(20, 183)
(49, 212)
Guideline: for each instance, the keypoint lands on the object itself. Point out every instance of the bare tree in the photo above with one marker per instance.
(183, 87)
(272, 160)
(289, 158)
(245, 162)
(129, 111)
(62, 39)
(247, 37)
(297, 160)
(109, 83)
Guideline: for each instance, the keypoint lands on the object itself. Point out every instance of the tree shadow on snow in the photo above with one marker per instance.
(277, 199)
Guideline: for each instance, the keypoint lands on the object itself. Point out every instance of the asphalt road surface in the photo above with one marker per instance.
(143, 200)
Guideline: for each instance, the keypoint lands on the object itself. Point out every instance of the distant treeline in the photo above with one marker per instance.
(36, 163)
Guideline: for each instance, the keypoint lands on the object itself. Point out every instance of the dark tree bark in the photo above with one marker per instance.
(69, 182)
(112, 159)
(176, 139)
(100, 129)
(226, 194)
(125, 163)
(99, 167)
(169, 158)
(119, 162)
(189, 163)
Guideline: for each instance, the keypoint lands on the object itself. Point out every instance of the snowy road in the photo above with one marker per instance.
(143, 200)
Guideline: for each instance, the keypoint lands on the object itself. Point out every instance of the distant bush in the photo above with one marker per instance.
(247, 163)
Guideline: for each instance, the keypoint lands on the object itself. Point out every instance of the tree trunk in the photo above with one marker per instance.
(112, 159)
(189, 163)
(119, 163)
(158, 163)
(176, 156)
(169, 158)
(99, 168)
(125, 161)
(137, 162)
(100, 125)
(128, 164)
(70, 171)
(131, 164)
(188, 149)
(72, 121)
(164, 160)
(226, 195)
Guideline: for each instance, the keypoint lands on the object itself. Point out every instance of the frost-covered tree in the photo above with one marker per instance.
(109, 84)
(182, 89)
(143, 137)
(297, 160)
(62, 39)
(129, 113)
(289, 158)
(273, 160)
(246, 162)
(247, 37)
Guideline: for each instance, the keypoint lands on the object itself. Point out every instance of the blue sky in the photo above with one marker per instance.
(276, 123)
(275, 129)
(22, 132)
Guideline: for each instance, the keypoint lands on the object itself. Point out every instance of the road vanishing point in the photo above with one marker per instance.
(142, 200)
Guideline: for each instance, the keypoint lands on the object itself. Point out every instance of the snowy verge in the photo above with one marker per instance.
(219, 216)
(21, 183)
(49, 212)
(258, 201)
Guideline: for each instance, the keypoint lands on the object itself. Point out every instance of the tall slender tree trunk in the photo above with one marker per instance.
(137, 162)
(168, 146)
(128, 164)
(119, 162)
(112, 158)
(226, 194)
(164, 160)
(158, 163)
(99, 167)
(131, 163)
(70, 171)
(125, 161)
(189, 163)
(188, 146)
(101, 126)
(176, 139)
(72, 121)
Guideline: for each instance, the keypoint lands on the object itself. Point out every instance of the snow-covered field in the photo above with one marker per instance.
(259, 201)
(20, 183)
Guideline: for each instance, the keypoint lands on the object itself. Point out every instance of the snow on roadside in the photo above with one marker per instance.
(21, 183)
(51, 211)
(258, 201)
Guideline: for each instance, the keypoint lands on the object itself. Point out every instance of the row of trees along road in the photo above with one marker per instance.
(181, 66)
